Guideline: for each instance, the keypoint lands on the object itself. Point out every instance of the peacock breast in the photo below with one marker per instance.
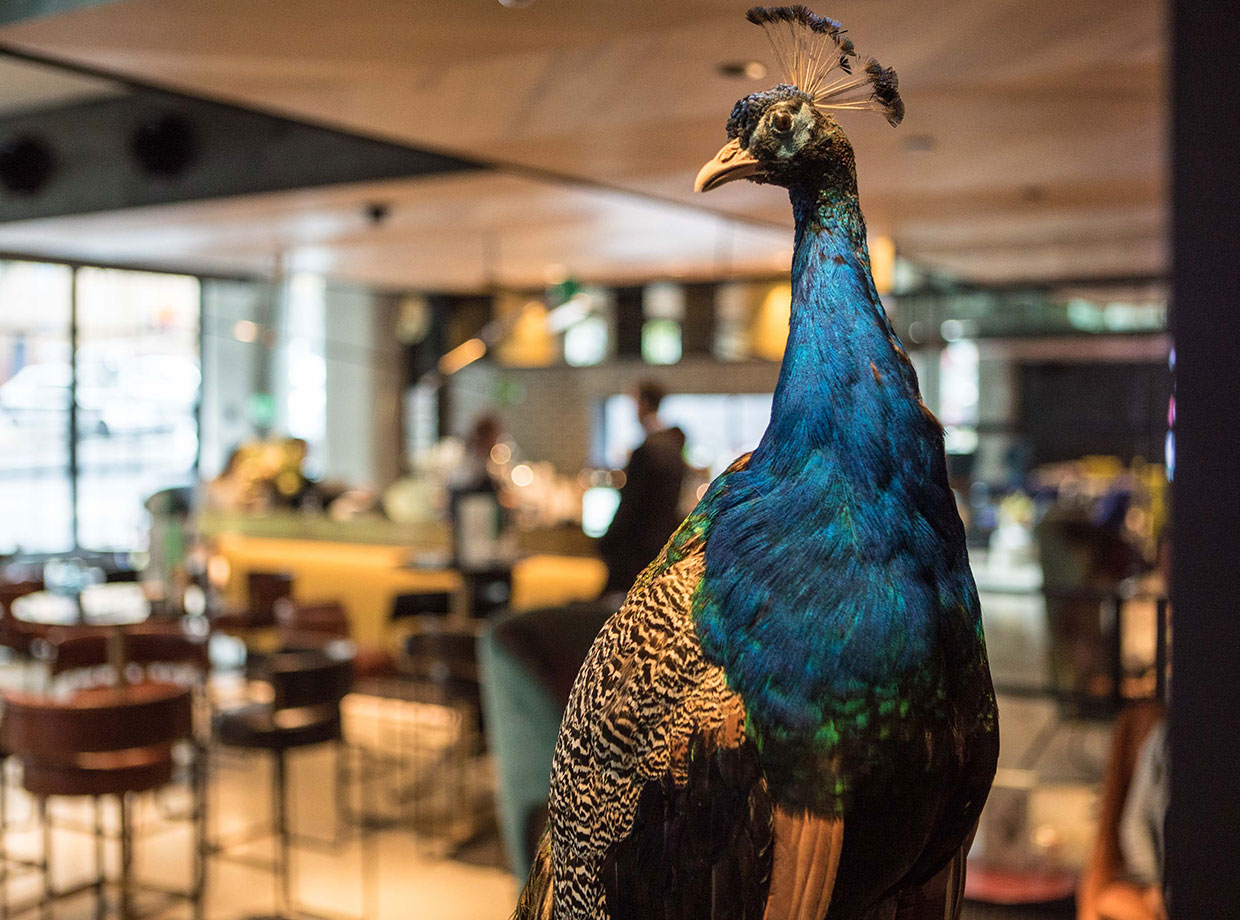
(837, 622)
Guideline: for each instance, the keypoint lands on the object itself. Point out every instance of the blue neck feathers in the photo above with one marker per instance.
(832, 557)
(845, 377)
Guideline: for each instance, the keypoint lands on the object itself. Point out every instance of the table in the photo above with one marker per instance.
(115, 604)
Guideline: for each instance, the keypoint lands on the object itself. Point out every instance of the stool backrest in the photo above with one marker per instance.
(144, 644)
(311, 677)
(297, 619)
(98, 720)
(441, 655)
(264, 589)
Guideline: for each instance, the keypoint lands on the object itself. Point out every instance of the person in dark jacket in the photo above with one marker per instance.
(649, 507)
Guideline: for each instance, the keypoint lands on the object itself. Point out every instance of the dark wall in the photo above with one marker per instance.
(1203, 830)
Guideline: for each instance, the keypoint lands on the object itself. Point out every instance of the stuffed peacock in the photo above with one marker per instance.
(791, 716)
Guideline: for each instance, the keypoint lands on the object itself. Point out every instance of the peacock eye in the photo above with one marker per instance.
(781, 121)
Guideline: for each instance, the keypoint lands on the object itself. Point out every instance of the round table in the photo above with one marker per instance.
(114, 604)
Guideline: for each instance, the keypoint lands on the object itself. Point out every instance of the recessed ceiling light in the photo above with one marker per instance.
(918, 143)
(751, 70)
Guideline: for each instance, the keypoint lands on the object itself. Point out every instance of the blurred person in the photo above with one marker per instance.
(649, 508)
(1123, 875)
(474, 474)
(293, 489)
(480, 523)
(228, 491)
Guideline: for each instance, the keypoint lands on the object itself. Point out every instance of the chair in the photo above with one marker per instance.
(106, 741)
(440, 668)
(133, 653)
(141, 646)
(307, 687)
(303, 625)
(263, 589)
(529, 661)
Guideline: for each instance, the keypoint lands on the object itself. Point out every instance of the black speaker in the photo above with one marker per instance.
(164, 145)
(27, 164)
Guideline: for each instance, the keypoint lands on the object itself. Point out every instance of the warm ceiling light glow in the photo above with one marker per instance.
(770, 330)
(245, 331)
(882, 262)
(218, 571)
(529, 342)
(522, 475)
(463, 355)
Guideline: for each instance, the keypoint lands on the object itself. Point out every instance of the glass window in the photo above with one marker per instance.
(958, 395)
(35, 378)
(718, 427)
(661, 343)
(138, 388)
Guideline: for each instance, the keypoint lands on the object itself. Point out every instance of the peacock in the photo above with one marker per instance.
(791, 716)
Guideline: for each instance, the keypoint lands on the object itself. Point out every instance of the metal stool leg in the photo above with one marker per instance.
(101, 901)
(343, 808)
(45, 905)
(4, 829)
(279, 806)
(126, 857)
(198, 777)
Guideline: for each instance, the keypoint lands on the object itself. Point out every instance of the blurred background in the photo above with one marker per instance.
(342, 321)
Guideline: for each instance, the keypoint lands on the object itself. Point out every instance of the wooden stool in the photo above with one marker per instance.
(107, 741)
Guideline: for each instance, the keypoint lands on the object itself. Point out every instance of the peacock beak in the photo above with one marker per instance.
(731, 162)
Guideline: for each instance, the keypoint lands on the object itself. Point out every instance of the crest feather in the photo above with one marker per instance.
(820, 60)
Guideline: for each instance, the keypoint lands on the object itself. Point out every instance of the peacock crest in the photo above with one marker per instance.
(821, 61)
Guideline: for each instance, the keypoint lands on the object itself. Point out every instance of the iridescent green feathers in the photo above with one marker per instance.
(821, 61)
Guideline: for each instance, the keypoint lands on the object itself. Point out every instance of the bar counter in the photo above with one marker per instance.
(367, 577)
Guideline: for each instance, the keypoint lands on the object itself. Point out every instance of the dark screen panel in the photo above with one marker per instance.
(1071, 410)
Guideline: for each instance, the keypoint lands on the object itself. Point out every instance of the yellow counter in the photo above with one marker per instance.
(366, 578)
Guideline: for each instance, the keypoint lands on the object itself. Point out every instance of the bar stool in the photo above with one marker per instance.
(133, 653)
(303, 625)
(142, 647)
(440, 664)
(106, 742)
(263, 589)
(307, 687)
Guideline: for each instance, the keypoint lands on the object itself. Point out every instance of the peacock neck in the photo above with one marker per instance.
(842, 357)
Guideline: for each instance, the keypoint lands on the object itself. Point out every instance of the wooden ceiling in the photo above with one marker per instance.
(1033, 148)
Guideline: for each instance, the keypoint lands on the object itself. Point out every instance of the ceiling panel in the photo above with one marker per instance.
(1040, 124)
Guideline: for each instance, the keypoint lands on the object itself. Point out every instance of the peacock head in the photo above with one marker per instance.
(787, 135)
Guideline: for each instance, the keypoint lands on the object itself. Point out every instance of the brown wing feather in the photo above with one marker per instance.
(536, 901)
(807, 853)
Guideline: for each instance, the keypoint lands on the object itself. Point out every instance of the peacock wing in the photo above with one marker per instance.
(700, 844)
(940, 898)
(806, 856)
(659, 807)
